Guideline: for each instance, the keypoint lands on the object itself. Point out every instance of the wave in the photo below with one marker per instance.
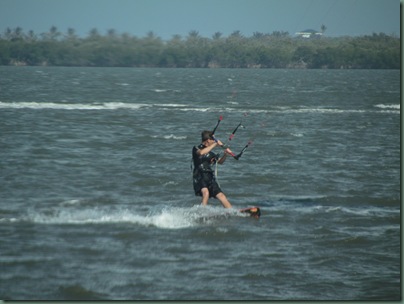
(389, 108)
(98, 106)
(170, 105)
(165, 218)
(313, 205)
(296, 198)
(166, 90)
(72, 106)
(170, 136)
(366, 212)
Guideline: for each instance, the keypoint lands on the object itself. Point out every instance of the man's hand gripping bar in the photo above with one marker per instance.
(224, 147)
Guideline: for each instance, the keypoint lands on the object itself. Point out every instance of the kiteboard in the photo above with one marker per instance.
(252, 211)
(220, 214)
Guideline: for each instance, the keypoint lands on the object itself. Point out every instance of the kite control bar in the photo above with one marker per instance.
(225, 146)
(218, 123)
(242, 151)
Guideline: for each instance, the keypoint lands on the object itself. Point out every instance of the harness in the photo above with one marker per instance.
(203, 162)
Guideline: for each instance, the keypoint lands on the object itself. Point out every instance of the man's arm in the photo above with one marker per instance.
(222, 159)
(206, 150)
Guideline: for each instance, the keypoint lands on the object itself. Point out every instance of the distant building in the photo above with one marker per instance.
(309, 34)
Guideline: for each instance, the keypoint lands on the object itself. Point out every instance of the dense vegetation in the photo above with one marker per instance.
(275, 50)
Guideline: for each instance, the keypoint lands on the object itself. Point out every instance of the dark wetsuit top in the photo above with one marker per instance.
(203, 175)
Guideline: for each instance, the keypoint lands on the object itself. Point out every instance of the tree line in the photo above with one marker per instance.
(262, 50)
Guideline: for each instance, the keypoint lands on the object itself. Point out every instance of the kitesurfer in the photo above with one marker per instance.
(204, 180)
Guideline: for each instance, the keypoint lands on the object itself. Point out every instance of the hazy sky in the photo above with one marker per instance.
(168, 17)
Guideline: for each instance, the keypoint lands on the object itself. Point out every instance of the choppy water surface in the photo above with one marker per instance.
(96, 198)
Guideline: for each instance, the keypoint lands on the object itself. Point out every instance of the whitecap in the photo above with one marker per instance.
(72, 106)
(71, 202)
(297, 134)
(172, 136)
(196, 109)
(170, 105)
(388, 106)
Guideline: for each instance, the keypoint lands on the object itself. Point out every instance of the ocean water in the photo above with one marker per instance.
(96, 197)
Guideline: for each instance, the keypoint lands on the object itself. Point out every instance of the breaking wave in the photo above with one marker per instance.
(388, 108)
(72, 106)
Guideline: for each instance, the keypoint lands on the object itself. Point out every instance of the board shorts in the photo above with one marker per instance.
(206, 180)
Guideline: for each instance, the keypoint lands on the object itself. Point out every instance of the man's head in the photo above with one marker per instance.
(206, 135)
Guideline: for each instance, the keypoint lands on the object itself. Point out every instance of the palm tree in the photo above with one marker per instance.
(236, 34)
(18, 33)
(8, 33)
(31, 35)
(217, 35)
(94, 34)
(71, 33)
(193, 34)
(176, 38)
(54, 33)
(151, 35)
(258, 35)
(111, 33)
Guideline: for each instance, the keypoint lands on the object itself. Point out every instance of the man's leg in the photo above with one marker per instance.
(205, 196)
(223, 199)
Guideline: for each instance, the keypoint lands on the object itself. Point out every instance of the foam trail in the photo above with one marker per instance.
(167, 218)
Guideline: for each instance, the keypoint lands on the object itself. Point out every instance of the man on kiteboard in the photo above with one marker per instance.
(204, 180)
